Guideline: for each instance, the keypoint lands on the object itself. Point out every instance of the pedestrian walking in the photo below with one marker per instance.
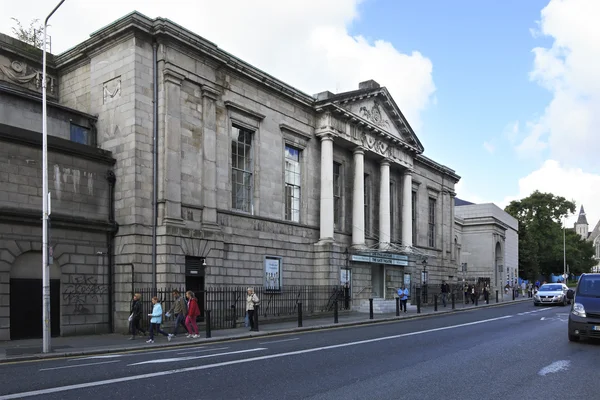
(136, 316)
(445, 290)
(473, 293)
(403, 295)
(156, 320)
(466, 292)
(179, 308)
(486, 294)
(193, 311)
(251, 302)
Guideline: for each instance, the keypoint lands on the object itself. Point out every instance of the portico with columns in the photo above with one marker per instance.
(368, 127)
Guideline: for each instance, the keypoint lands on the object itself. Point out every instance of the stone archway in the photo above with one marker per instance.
(499, 264)
(26, 296)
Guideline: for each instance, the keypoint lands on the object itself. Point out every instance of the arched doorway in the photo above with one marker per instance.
(26, 297)
(498, 257)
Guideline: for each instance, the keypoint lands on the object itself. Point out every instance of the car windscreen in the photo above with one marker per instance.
(550, 288)
(589, 286)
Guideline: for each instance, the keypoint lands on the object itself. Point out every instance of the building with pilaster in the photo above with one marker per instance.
(223, 175)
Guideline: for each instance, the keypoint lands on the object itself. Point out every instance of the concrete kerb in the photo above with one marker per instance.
(92, 352)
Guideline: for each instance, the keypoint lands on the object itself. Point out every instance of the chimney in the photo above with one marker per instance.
(370, 84)
(323, 95)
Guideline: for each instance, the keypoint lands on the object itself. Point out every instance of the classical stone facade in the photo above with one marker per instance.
(257, 182)
(486, 243)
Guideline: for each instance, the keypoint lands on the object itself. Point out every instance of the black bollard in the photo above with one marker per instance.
(299, 315)
(233, 321)
(335, 312)
(496, 296)
(418, 300)
(370, 308)
(397, 306)
(513, 294)
(435, 302)
(477, 299)
(207, 319)
(256, 318)
(453, 301)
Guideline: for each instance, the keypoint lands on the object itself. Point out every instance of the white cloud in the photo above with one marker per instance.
(571, 183)
(567, 129)
(489, 147)
(303, 42)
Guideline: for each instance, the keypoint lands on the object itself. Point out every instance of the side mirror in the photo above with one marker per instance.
(570, 294)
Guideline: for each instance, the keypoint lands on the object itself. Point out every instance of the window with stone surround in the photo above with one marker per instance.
(431, 223)
(367, 205)
(241, 169)
(337, 195)
(292, 184)
(414, 217)
(80, 134)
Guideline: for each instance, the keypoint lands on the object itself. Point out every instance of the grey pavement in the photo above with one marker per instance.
(106, 343)
(512, 352)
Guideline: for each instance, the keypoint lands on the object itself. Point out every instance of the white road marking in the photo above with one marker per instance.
(279, 341)
(202, 351)
(555, 367)
(98, 357)
(79, 365)
(166, 360)
(234, 362)
(138, 353)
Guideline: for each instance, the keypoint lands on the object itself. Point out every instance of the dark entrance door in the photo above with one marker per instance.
(26, 308)
(194, 280)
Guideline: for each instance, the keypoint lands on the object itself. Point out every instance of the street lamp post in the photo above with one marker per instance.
(565, 251)
(45, 196)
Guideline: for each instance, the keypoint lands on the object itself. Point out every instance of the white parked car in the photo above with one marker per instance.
(552, 293)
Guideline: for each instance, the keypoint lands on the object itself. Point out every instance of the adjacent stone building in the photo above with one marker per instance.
(581, 226)
(251, 182)
(487, 242)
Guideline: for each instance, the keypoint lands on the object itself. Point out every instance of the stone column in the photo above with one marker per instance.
(384, 204)
(209, 166)
(326, 222)
(171, 170)
(358, 199)
(407, 239)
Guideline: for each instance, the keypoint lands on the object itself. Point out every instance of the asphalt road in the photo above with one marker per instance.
(511, 352)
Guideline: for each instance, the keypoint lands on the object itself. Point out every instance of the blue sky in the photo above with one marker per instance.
(482, 55)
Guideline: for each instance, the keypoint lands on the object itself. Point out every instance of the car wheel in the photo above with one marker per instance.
(535, 304)
(573, 338)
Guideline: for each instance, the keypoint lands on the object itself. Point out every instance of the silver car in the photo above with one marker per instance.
(552, 293)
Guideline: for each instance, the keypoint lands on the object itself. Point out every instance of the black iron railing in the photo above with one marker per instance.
(228, 303)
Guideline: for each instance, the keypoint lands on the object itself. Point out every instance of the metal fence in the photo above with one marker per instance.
(428, 293)
(228, 303)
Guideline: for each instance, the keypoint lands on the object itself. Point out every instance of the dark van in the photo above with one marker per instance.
(584, 318)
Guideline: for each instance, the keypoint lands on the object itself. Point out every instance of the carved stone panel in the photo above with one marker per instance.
(111, 90)
(21, 74)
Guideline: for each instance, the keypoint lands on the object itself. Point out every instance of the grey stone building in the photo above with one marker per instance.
(487, 244)
(581, 226)
(224, 175)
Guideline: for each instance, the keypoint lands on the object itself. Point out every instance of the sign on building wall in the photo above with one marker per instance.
(273, 273)
(381, 258)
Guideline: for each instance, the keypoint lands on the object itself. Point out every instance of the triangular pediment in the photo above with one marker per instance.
(377, 107)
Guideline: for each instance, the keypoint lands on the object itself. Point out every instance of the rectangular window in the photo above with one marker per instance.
(80, 134)
(392, 211)
(241, 169)
(367, 205)
(431, 223)
(414, 217)
(337, 195)
(292, 184)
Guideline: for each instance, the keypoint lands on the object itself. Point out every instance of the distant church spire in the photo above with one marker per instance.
(582, 220)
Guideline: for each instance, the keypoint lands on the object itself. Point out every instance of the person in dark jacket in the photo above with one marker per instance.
(179, 308)
(136, 316)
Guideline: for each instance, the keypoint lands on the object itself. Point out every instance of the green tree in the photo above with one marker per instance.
(580, 253)
(33, 34)
(540, 232)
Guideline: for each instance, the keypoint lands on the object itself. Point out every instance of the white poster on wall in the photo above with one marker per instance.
(272, 273)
